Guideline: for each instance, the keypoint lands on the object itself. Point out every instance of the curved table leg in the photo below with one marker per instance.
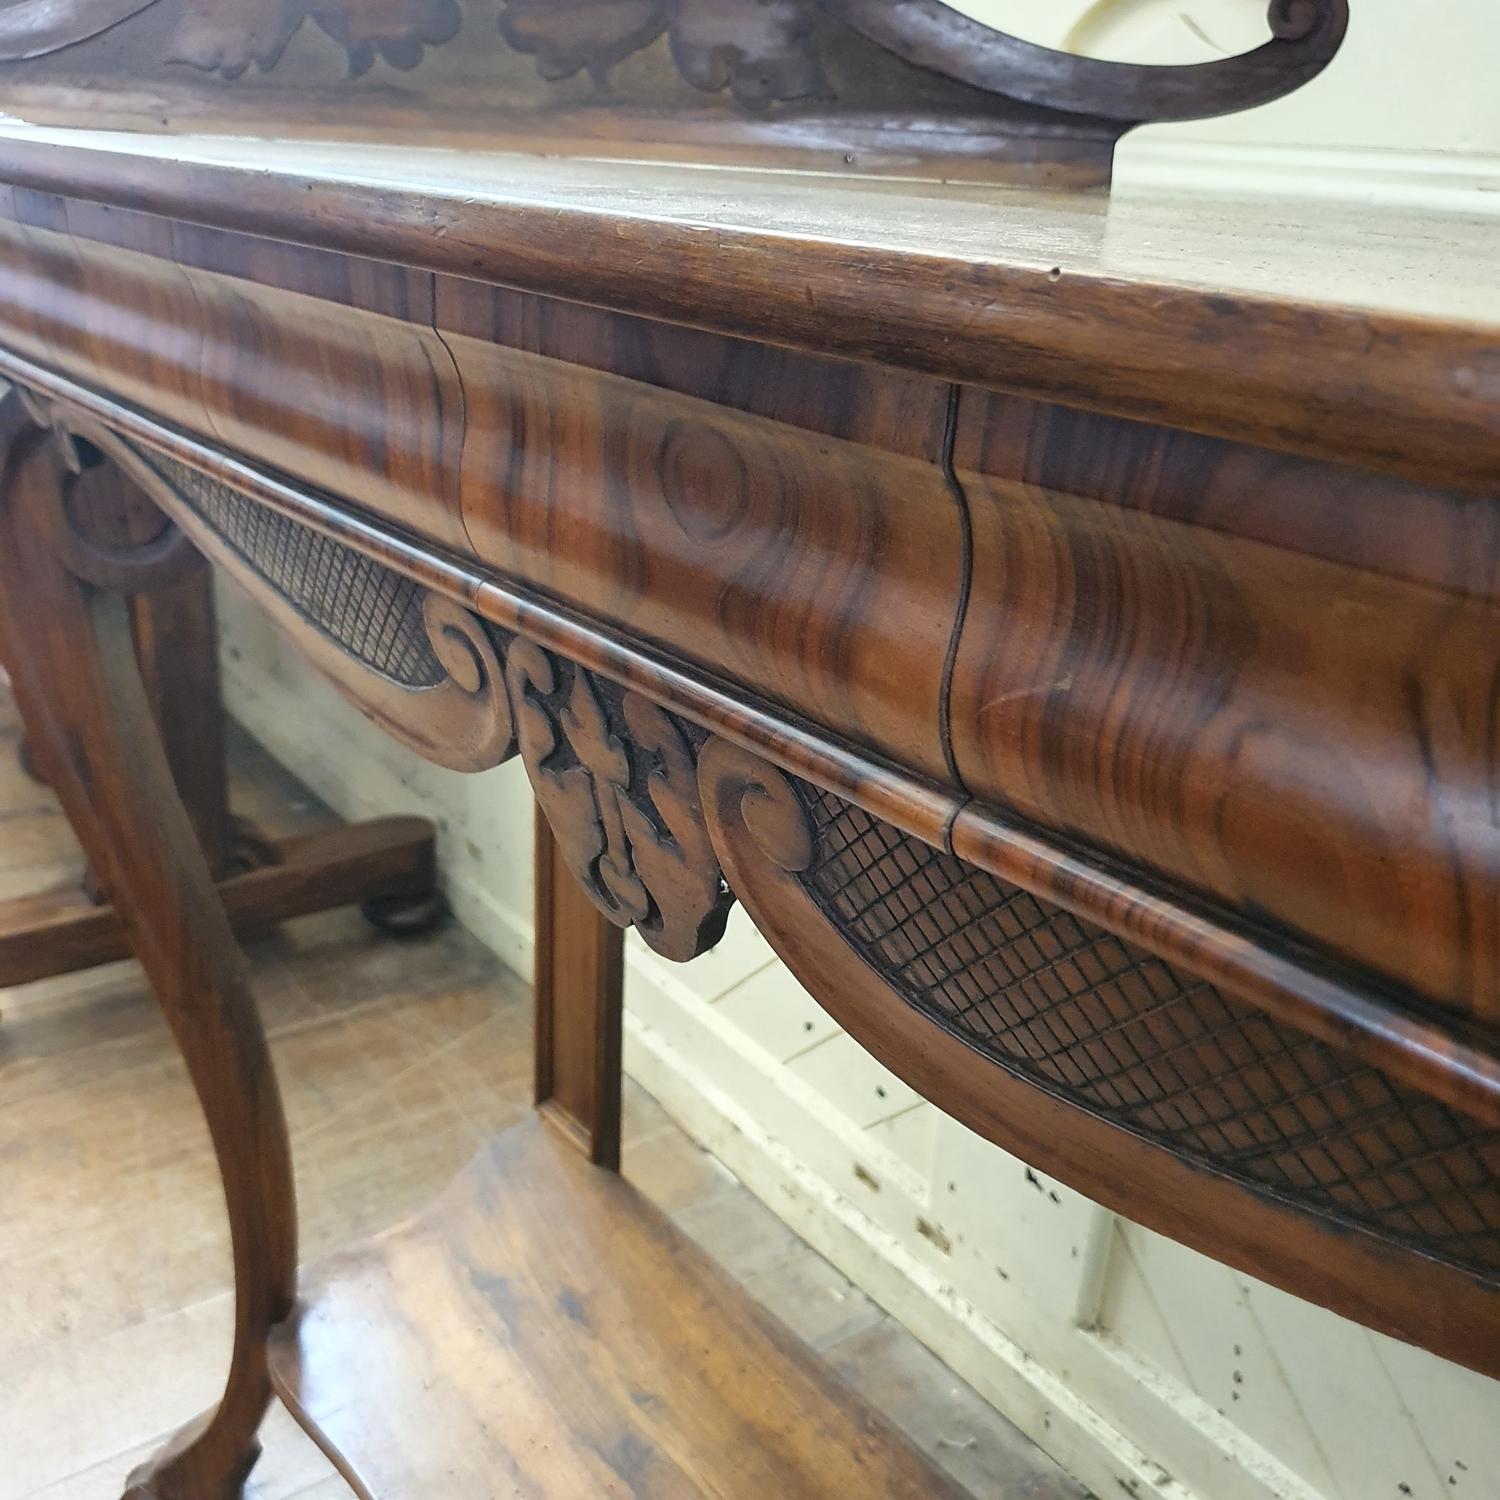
(73, 668)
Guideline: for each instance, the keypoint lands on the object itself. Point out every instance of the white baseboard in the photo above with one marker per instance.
(1417, 182)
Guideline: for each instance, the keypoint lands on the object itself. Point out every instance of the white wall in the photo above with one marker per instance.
(1137, 1364)
(1412, 96)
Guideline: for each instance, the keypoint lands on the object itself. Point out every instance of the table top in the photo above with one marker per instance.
(1443, 266)
(1095, 300)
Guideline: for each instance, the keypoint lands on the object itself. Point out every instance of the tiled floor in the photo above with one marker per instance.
(395, 1061)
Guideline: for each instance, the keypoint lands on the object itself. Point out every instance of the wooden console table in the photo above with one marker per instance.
(1070, 626)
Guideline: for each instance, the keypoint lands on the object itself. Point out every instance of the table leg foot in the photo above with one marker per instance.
(404, 916)
(190, 1466)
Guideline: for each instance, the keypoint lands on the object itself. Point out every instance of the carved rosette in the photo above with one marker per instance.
(617, 779)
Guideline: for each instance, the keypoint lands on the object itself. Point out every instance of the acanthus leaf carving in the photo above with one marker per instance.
(582, 35)
(227, 36)
(616, 777)
(762, 53)
(396, 31)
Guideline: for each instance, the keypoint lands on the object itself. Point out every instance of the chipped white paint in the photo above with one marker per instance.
(1142, 1367)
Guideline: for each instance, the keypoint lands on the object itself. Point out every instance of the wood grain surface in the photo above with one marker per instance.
(1307, 736)
(1067, 297)
(766, 840)
(71, 660)
(623, 1362)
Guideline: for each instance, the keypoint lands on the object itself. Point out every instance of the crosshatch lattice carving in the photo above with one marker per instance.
(375, 614)
(1115, 1030)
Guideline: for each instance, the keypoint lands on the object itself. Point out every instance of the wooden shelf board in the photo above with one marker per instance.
(542, 1330)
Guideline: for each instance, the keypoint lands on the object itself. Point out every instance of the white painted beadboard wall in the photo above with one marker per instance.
(1144, 1368)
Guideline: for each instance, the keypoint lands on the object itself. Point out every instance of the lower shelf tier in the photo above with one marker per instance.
(544, 1331)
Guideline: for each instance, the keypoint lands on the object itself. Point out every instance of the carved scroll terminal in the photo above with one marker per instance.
(616, 777)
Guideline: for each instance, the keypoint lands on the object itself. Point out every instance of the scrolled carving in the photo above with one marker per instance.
(33, 28)
(762, 53)
(418, 663)
(111, 538)
(743, 791)
(774, 52)
(616, 777)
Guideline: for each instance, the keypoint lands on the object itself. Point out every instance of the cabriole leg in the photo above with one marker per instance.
(65, 627)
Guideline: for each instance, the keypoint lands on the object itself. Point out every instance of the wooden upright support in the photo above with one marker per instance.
(579, 1007)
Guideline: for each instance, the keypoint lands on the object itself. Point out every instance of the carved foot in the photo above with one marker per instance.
(406, 916)
(191, 1465)
(250, 849)
(28, 762)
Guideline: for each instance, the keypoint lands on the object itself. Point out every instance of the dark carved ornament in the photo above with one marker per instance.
(226, 36)
(773, 51)
(617, 778)
(762, 52)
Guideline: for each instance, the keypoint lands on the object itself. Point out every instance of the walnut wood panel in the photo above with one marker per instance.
(1307, 740)
(819, 569)
(306, 407)
(1022, 292)
(1356, 517)
(1323, 1177)
(813, 553)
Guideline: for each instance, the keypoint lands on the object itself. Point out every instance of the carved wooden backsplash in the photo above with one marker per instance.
(874, 84)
